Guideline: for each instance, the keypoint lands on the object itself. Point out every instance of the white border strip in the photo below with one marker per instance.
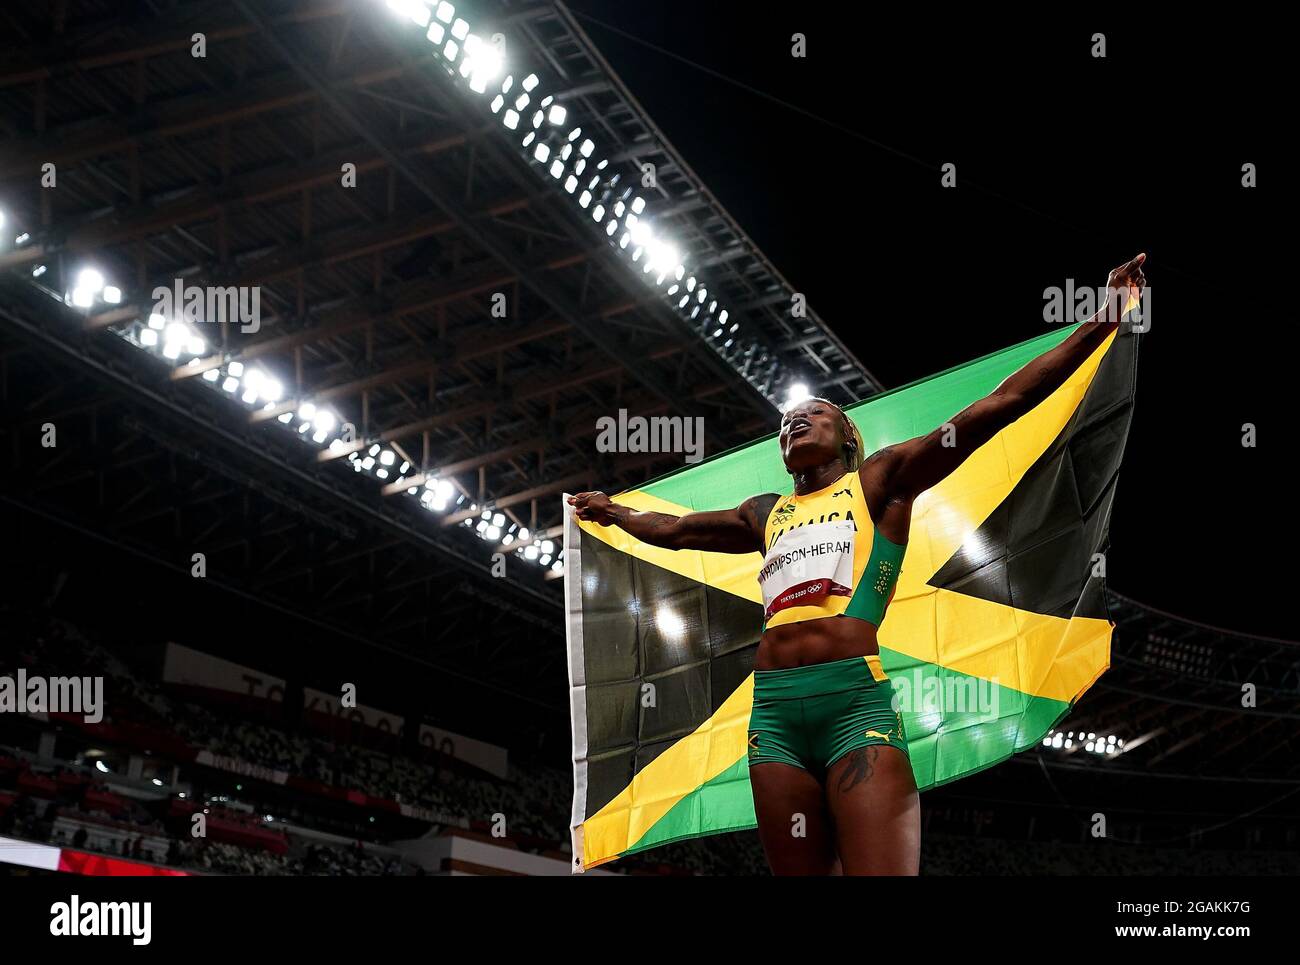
(577, 675)
(29, 854)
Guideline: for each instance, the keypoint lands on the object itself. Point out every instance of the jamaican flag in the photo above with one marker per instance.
(997, 626)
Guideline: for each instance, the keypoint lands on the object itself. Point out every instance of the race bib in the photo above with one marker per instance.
(806, 565)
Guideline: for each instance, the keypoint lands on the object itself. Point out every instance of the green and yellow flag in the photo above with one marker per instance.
(997, 626)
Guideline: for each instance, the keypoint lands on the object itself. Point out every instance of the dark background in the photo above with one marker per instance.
(1066, 167)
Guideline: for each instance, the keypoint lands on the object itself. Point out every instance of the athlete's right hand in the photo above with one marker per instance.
(593, 507)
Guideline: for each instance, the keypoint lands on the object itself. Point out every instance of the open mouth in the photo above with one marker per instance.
(798, 426)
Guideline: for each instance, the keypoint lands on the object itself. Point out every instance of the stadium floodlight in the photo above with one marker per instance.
(661, 255)
(112, 294)
(325, 422)
(481, 65)
(149, 338)
(387, 458)
(90, 279)
(530, 552)
(156, 321)
(796, 394)
(416, 10)
(39, 270)
(230, 384)
(484, 61)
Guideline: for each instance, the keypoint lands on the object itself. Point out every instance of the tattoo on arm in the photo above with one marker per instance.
(756, 511)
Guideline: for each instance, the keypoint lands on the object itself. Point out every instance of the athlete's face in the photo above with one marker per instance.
(812, 433)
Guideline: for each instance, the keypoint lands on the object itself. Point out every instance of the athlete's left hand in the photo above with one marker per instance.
(1124, 288)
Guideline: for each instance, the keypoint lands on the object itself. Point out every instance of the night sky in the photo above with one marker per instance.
(1067, 165)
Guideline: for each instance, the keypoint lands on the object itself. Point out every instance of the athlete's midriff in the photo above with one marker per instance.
(815, 641)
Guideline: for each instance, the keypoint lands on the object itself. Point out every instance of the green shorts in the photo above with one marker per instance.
(812, 716)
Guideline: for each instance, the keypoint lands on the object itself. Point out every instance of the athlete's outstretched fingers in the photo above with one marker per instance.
(792, 820)
(876, 811)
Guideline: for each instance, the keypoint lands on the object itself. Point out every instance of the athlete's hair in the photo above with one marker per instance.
(851, 452)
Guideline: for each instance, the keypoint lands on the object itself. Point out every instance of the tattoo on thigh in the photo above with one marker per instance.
(860, 765)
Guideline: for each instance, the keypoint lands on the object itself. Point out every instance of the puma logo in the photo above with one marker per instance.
(876, 733)
(842, 492)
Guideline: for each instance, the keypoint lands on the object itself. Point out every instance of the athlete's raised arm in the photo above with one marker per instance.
(738, 530)
(910, 468)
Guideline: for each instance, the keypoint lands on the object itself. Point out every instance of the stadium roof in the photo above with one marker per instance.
(451, 286)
